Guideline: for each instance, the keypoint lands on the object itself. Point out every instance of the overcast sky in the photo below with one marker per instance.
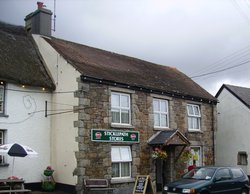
(196, 36)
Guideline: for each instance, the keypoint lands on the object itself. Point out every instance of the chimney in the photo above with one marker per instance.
(39, 5)
(39, 21)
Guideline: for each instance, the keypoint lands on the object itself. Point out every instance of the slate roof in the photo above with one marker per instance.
(20, 62)
(241, 93)
(163, 137)
(115, 68)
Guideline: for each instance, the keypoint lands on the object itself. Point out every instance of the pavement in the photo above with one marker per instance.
(54, 192)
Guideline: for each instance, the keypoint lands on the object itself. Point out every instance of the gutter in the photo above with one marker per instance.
(85, 78)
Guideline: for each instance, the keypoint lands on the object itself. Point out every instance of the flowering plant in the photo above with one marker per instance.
(159, 154)
(186, 154)
(48, 171)
(13, 178)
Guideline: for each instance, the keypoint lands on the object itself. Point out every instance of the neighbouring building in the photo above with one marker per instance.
(232, 136)
(24, 88)
(115, 111)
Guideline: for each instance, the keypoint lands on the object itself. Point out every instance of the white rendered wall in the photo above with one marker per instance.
(63, 136)
(233, 130)
(26, 124)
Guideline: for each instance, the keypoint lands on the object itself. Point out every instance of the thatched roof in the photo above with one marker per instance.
(20, 62)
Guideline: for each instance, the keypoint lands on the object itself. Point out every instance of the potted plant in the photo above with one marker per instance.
(48, 184)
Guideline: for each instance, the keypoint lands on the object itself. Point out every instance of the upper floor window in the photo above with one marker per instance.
(2, 90)
(121, 161)
(120, 108)
(194, 117)
(161, 117)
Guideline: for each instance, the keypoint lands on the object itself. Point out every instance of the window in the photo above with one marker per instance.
(196, 158)
(161, 118)
(1, 142)
(120, 108)
(237, 173)
(2, 95)
(242, 158)
(121, 161)
(223, 174)
(194, 117)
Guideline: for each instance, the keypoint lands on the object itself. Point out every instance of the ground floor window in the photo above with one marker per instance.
(242, 158)
(196, 158)
(1, 142)
(121, 161)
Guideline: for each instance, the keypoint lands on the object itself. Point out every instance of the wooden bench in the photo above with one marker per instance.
(16, 191)
(97, 185)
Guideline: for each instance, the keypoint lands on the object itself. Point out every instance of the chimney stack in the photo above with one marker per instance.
(39, 5)
(39, 21)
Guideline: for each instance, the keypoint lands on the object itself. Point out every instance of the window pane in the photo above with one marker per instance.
(163, 120)
(125, 116)
(190, 110)
(115, 170)
(125, 153)
(115, 100)
(1, 98)
(1, 94)
(1, 137)
(196, 110)
(190, 123)
(124, 101)
(156, 105)
(115, 116)
(156, 119)
(125, 169)
(115, 154)
(237, 173)
(195, 123)
(164, 106)
(1, 107)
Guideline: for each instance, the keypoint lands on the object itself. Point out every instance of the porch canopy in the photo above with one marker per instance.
(168, 138)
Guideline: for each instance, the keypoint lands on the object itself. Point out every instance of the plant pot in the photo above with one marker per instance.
(48, 185)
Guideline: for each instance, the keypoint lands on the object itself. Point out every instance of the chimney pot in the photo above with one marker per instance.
(40, 5)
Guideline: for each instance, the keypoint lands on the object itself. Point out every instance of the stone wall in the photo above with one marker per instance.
(94, 158)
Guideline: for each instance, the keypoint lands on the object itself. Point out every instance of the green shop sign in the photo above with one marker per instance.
(103, 135)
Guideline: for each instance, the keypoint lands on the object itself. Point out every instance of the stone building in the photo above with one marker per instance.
(126, 110)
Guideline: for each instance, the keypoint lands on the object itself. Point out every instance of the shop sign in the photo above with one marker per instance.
(143, 185)
(103, 135)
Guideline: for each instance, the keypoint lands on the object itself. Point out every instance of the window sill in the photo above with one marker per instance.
(122, 126)
(161, 128)
(194, 131)
(4, 165)
(3, 115)
(122, 180)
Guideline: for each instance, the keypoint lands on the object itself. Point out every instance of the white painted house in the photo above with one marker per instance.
(24, 88)
(232, 137)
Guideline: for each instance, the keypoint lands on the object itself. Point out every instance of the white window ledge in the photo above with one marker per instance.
(194, 131)
(122, 180)
(4, 165)
(122, 126)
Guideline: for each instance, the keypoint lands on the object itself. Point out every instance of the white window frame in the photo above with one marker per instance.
(161, 113)
(119, 160)
(120, 108)
(2, 87)
(2, 142)
(200, 159)
(194, 116)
